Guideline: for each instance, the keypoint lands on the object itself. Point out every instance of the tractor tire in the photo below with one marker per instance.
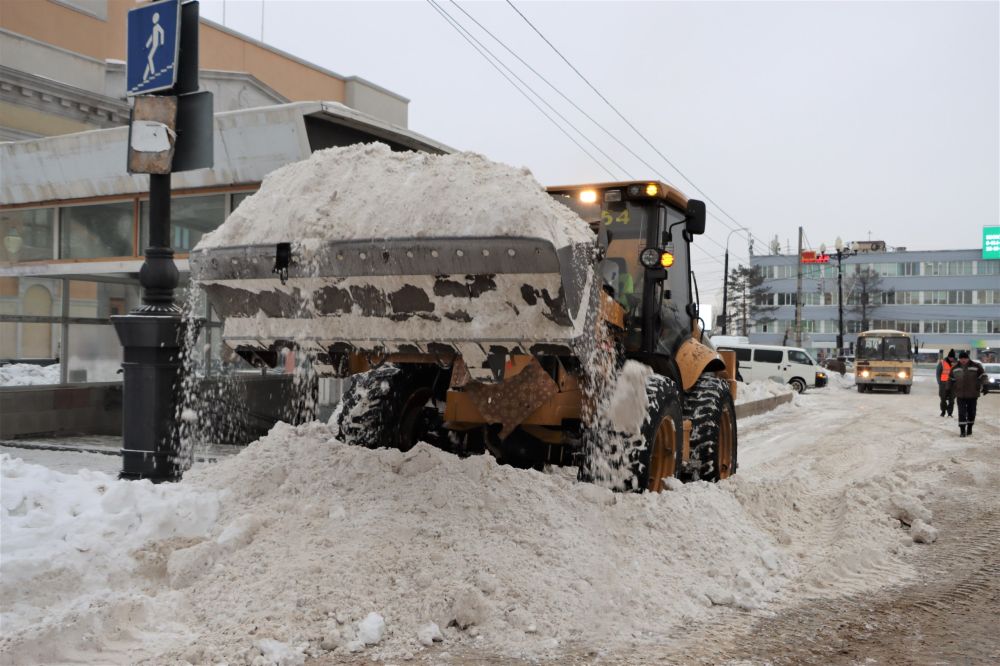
(642, 463)
(709, 406)
(385, 407)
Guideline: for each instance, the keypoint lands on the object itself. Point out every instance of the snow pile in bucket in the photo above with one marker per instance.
(28, 374)
(368, 191)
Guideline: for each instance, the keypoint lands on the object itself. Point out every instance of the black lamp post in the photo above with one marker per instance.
(840, 254)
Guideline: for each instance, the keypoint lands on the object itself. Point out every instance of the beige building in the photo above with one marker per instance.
(73, 223)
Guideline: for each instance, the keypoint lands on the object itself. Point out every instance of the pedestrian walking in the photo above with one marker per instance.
(943, 374)
(968, 379)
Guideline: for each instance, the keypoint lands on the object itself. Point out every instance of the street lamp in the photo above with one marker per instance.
(840, 254)
(725, 278)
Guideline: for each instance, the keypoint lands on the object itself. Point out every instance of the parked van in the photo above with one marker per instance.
(789, 365)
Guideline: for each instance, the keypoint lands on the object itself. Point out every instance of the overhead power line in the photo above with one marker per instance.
(582, 111)
(497, 63)
(483, 51)
(627, 122)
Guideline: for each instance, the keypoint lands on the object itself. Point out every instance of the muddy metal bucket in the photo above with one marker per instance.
(442, 296)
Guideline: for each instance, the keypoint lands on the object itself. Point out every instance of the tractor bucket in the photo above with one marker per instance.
(474, 297)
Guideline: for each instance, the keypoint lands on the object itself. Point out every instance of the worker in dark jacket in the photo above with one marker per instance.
(968, 379)
(943, 374)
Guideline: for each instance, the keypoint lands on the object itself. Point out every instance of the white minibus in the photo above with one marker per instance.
(788, 365)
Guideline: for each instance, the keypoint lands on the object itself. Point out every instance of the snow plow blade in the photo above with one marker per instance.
(481, 298)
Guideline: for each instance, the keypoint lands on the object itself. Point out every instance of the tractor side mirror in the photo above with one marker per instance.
(694, 220)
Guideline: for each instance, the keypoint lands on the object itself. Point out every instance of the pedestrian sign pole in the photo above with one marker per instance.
(170, 130)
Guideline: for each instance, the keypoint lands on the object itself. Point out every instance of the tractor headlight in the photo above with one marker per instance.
(865, 373)
(588, 196)
(650, 257)
(901, 374)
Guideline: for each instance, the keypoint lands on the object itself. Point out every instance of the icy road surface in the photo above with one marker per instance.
(859, 528)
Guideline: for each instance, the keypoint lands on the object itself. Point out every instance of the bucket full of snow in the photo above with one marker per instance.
(361, 249)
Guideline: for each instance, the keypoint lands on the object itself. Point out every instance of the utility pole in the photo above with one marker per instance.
(725, 279)
(798, 296)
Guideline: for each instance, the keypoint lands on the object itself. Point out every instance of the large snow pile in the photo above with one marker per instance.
(27, 374)
(760, 390)
(368, 191)
(67, 549)
(302, 545)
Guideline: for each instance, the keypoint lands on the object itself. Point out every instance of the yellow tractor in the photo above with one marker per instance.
(587, 354)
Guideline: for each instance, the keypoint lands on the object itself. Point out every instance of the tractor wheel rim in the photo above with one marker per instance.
(725, 443)
(663, 459)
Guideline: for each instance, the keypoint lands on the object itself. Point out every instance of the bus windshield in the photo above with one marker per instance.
(885, 348)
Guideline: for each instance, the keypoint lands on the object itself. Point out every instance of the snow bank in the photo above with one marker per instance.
(759, 390)
(301, 546)
(67, 543)
(333, 193)
(302, 540)
(27, 374)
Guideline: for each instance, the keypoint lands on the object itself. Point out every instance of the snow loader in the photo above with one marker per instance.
(513, 345)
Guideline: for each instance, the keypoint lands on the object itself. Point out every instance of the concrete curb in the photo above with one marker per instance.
(761, 406)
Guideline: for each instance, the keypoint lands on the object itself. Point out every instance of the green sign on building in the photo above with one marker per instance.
(991, 242)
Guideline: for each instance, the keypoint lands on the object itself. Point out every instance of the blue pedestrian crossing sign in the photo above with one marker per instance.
(153, 41)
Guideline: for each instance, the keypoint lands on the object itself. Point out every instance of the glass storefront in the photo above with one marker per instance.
(27, 235)
(190, 219)
(96, 231)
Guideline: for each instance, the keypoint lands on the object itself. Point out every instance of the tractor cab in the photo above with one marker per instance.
(647, 227)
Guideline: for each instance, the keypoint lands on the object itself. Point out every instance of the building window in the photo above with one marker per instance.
(960, 326)
(935, 327)
(907, 297)
(988, 296)
(27, 235)
(909, 268)
(960, 297)
(786, 299)
(908, 326)
(988, 267)
(935, 298)
(240, 197)
(992, 326)
(91, 232)
(190, 219)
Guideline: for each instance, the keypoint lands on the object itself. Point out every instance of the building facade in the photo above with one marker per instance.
(74, 223)
(945, 298)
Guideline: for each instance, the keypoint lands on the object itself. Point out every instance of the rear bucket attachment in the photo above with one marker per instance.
(474, 297)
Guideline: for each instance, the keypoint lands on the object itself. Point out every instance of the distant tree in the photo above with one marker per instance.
(866, 294)
(750, 300)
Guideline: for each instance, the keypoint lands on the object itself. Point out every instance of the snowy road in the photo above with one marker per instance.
(943, 610)
(859, 527)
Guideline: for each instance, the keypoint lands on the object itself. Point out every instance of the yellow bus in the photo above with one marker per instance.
(884, 359)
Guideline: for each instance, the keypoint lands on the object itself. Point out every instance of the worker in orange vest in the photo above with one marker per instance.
(945, 391)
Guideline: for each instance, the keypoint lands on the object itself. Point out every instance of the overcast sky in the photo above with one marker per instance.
(846, 118)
